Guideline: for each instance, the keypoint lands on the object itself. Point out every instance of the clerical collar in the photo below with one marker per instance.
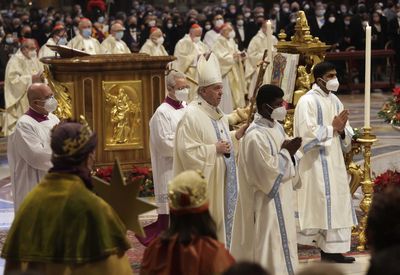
(36, 116)
(214, 112)
(262, 121)
(174, 103)
(317, 88)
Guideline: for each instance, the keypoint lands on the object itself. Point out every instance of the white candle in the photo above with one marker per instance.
(367, 105)
(269, 40)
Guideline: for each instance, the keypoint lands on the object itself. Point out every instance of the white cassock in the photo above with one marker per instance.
(187, 53)
(110, 45)
(153, 49)
(255, 52)
(232, 72)
(325, 208)
(89, 45)
(46, 51)
(210, 37)
(199, 130)
(264, 228)
(29, 154)
(18, 78)
(162, 134)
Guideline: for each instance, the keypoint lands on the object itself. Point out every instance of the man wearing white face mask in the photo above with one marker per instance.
(264, 229)
(325, 208)
(162, 134)
(84, 40)
(29, 151)
(154, 45)
(23, 69)
(230, 62)
(187, 52)
(212, 35)
(58, 37)
(113, 44)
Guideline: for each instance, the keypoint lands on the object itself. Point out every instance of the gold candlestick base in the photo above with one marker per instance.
(366, 140)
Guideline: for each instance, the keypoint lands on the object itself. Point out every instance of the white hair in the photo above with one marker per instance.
(171, 78)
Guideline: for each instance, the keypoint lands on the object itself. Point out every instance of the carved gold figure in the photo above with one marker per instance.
(122, 107)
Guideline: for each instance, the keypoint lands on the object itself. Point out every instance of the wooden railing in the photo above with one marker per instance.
(354, 61)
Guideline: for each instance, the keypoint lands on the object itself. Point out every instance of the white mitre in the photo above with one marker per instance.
(208, 71)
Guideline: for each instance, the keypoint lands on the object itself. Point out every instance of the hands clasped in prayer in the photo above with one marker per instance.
(292, 145)
(339, 122)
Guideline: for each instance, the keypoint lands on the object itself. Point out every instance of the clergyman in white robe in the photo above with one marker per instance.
(201, 127)
(18, 78)
(325, 209)
(89, 45)
(255, 52)
(187, 53)
(232, 73)
(110, 45)
(29, 153)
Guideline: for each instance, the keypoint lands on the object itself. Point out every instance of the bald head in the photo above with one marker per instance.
(38, 93)
(84, 24)
(28, 48)
(116, 27)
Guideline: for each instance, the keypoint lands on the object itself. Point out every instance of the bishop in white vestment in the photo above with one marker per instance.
(163, 125)
(84, 41)
(29, 151)
(264, 226)
(203, 142)
(23, 69)
(154, 45)
(255, 52)
(325, 209)
(212, 35)
(230, 62)
(58, 37)
(187, 52)
(114, 44)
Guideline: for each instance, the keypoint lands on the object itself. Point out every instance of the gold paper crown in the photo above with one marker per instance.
(73, 145)
(188, 191)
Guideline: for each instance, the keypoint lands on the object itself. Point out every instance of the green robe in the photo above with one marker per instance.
(61, 221)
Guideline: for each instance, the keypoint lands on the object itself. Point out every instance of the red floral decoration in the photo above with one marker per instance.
(390, 111)
(142, 174)
(386, 179)
(100, 4)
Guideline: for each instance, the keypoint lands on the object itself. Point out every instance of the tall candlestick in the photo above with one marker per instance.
(268, 72)
(367, 104)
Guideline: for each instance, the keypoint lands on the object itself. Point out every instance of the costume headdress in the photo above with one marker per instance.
(188, 193)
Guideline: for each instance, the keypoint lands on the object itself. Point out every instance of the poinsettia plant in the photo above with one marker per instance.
(390, 111)
(142, 174)
(385, 180)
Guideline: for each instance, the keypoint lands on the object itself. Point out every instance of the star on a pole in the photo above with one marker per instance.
(123, 198)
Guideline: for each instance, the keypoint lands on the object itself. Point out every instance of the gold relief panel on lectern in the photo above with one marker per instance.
(123, 118)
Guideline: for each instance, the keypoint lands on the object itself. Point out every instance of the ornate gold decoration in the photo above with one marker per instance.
(123, 114)
(354, 170)
(288, 123)
(303, 83)
(73, 145)
(62, 94)
(123, 198)
(366, 140)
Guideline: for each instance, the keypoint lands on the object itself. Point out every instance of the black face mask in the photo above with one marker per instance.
(27, 35)
(133, 25)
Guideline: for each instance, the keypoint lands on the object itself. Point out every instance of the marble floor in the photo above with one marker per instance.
(386, 154)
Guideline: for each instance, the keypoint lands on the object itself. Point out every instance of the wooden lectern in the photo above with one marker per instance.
(117, 94)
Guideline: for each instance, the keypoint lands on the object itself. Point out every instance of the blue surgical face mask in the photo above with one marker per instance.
(119, 35)
(9, 40)
(62, 41)
(87, 32)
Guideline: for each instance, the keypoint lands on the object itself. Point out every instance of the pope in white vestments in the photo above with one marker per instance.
(230, 62)
(23, 69)
(84, 41)
(154, 45)
(325, 209)
(29, 151)
(58, 37)
(114, 44)
(203, 142)
(255, 52)
(187, 52)
(264, 226)
(163, 125)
